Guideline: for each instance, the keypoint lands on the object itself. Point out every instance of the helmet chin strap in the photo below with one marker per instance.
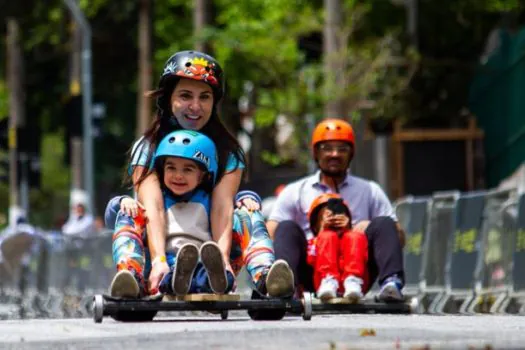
(334, 175)
(173, 121)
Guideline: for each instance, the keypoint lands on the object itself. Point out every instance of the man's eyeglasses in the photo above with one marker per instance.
(330, 148)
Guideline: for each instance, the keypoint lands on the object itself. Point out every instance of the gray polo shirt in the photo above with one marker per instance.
(365, 198)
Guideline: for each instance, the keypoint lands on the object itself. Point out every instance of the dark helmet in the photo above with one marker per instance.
(193, 65)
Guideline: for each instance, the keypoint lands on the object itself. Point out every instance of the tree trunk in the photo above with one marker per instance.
(332, 45)
(201, 18)
(145, 70)
(16, 105)
(76, 153)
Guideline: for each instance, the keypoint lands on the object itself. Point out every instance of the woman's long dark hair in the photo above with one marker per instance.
(162, 125)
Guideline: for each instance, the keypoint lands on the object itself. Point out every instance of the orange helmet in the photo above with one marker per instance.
(318, 203)
(333, 130)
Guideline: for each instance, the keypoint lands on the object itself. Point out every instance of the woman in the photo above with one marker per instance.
(190, 88)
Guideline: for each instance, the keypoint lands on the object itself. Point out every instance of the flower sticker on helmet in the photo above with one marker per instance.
(199, 68)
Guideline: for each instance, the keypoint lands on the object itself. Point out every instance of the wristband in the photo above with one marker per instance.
(159, 259)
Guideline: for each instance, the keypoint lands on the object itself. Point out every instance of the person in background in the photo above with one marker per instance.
(80, 222)
(333, 148)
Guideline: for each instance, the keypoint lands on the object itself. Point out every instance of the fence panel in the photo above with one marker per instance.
(440, 226)
(466, 243)
(518, 264)
(412, 215)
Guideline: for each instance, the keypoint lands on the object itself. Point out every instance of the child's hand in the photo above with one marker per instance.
(334, 221)
(131, 207)
(339, 221)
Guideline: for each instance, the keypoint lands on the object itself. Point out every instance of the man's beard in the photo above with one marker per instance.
(334, 173)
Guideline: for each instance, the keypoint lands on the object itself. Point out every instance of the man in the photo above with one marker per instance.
(333, 147)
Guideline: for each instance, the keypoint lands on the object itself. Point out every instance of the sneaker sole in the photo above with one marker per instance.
(390, 294)
(326, 297)
(279, 281)
(186, 262)
(124, 285)
(211, 258)
(353, 298)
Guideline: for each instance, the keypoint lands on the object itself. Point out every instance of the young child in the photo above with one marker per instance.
(338, 254)
(186, 165)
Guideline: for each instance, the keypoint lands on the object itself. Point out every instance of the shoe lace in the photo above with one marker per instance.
(330, 281)
(353, 280)
(393, 280)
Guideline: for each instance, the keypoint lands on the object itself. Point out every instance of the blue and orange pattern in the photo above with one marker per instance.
(251, 245)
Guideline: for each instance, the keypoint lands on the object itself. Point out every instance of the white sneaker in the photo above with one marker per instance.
(328, 288)
(353, 290)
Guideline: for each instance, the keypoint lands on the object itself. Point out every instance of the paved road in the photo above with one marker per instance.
(323, 332)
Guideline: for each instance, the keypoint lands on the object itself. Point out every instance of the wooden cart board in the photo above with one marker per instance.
(203, 297)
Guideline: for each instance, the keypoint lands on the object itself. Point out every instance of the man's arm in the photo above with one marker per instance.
(271, 225)
(283, 209)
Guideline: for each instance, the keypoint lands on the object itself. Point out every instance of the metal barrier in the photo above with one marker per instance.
(440, 224)
(463, 254)
(513, 301)
(412, 215)
(58, 278)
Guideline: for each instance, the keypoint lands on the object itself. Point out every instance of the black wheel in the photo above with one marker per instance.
(134, 316)
(98, 308)
(265, 314)
(224, 314)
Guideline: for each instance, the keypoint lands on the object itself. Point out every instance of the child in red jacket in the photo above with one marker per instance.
(338, 254)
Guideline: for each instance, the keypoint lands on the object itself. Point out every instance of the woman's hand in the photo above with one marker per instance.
(158, 270)
(131, 206)
(227, 265)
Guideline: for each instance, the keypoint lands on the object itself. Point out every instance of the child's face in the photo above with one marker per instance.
(181, 175)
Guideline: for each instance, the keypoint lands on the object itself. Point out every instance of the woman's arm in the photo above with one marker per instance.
(150, 195)
(222, 211)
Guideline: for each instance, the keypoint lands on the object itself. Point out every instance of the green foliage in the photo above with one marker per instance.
(258, 41)
(56, 176)
(4, 100)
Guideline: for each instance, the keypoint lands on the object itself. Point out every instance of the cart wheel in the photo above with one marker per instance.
(98, 308)
(414, 305)
(307, 304)
(266, 314)
(224, 314)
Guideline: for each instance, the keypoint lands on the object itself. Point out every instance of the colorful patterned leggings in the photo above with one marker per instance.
(251, 245)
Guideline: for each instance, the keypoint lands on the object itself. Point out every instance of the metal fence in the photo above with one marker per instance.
(56, 278)
(465, 253)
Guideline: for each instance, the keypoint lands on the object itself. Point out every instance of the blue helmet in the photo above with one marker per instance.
(190, 145)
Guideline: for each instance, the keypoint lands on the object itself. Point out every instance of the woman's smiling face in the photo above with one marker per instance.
(192, 103)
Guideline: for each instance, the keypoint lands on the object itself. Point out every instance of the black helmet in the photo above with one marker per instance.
(193, 65)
